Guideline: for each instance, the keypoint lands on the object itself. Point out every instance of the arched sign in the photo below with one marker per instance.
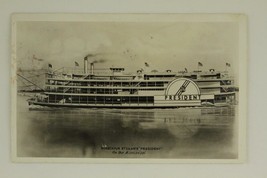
(182, 89)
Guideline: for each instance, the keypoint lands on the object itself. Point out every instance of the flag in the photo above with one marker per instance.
(76, 63)
(50, 65)
(200, 64)
(228, 65)
(35, 58)
(146, 64)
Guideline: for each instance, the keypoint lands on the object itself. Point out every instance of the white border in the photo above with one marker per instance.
(241, 19)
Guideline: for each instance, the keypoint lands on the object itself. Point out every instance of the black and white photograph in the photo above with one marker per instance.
(139, 88)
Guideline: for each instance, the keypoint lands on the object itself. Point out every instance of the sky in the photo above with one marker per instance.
(163, 45)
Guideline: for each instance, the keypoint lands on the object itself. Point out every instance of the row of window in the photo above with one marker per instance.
(105, 84)
(98, 99)
(97, 91)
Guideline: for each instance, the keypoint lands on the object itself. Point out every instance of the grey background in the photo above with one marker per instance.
(163, 45)
(257, 132)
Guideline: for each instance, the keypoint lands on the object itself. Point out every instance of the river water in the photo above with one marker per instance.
(205, 133)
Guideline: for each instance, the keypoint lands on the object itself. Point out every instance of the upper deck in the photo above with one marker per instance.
(77, 75)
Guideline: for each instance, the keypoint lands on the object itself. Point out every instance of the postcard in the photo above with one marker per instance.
(131, 88)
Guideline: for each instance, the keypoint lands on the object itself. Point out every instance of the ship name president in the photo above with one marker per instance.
(182, 97)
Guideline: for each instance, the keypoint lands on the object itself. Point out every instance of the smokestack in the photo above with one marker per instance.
(85, 65)
(92, 68)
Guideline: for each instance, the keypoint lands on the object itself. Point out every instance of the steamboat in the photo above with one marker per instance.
(114, 88)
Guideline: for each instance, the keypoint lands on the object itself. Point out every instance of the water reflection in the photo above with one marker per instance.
(176, 133)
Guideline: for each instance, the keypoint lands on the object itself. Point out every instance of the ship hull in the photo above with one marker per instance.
(115, 106)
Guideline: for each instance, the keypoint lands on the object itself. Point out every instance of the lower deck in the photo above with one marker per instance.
(126, 101)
